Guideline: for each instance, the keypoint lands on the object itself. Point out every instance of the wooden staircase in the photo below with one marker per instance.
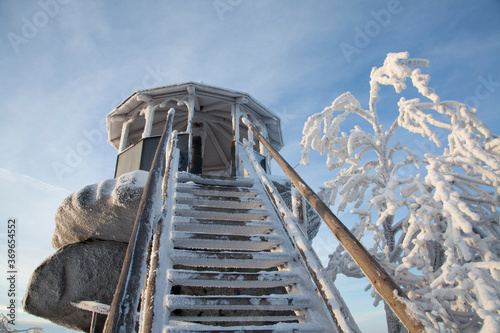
(227, 255)
(232, 265)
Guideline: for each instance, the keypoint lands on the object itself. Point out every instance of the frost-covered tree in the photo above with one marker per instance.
(433, 217)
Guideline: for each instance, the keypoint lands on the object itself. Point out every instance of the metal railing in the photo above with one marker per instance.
(379, 278)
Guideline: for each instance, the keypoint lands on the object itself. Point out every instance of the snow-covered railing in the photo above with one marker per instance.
(94, 307)
(381, 281)
(123, 311)
(339, 313)
(154, 312)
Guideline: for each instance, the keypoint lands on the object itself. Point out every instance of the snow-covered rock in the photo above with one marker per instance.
(86, 271)
(104, 211)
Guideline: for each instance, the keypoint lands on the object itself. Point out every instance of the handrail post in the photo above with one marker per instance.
(299, 208)
(123, 311)
(381, 281)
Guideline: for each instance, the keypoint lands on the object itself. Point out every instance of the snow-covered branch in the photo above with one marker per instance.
(433, 219)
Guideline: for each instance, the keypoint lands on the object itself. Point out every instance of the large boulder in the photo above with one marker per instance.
(104, 211)
(86, 271)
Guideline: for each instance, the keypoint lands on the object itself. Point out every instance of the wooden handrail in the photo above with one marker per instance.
(381, 281)
(123, 311)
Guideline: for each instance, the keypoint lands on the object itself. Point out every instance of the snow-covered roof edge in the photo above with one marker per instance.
(133, 102)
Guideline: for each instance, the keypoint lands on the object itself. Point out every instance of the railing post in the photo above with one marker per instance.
(299, 208)
(123, 311)
(93, 322)
(150, 298)
(235, 117)
(381, 281)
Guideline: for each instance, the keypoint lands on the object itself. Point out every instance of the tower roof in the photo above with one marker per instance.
(212, 106)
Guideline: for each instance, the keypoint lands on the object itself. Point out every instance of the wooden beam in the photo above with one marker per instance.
(178, 120)
(215, 106)
(235, 137)
(224, 131)
(214, 119)
(217, 145)
(219, 113)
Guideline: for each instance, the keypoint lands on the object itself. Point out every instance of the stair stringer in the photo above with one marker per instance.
(337, 312)
(162, 285)
(318, 312)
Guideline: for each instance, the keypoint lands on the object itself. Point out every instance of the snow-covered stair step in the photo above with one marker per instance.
(220, 213)
(278, 328)
(209, 241)
(184, 177)
(235, 319)
(232, 279)
(217, 201)
(221, 191)
(240, 302)
(261, 260)
(182, 223)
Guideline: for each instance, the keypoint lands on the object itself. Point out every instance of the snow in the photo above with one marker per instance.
(92, 306)
(162, 240)
(232, 279)
(232, 242)
(214, 191)
(148, 113)
(277, 328)
(218, 201)
(241, 302)
(437, 229)
(182, 223)
(104, 211)
(231, 259)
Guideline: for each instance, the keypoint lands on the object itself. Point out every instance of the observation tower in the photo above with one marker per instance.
(193, 234)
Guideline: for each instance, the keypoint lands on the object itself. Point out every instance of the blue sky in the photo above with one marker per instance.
(65, 64)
